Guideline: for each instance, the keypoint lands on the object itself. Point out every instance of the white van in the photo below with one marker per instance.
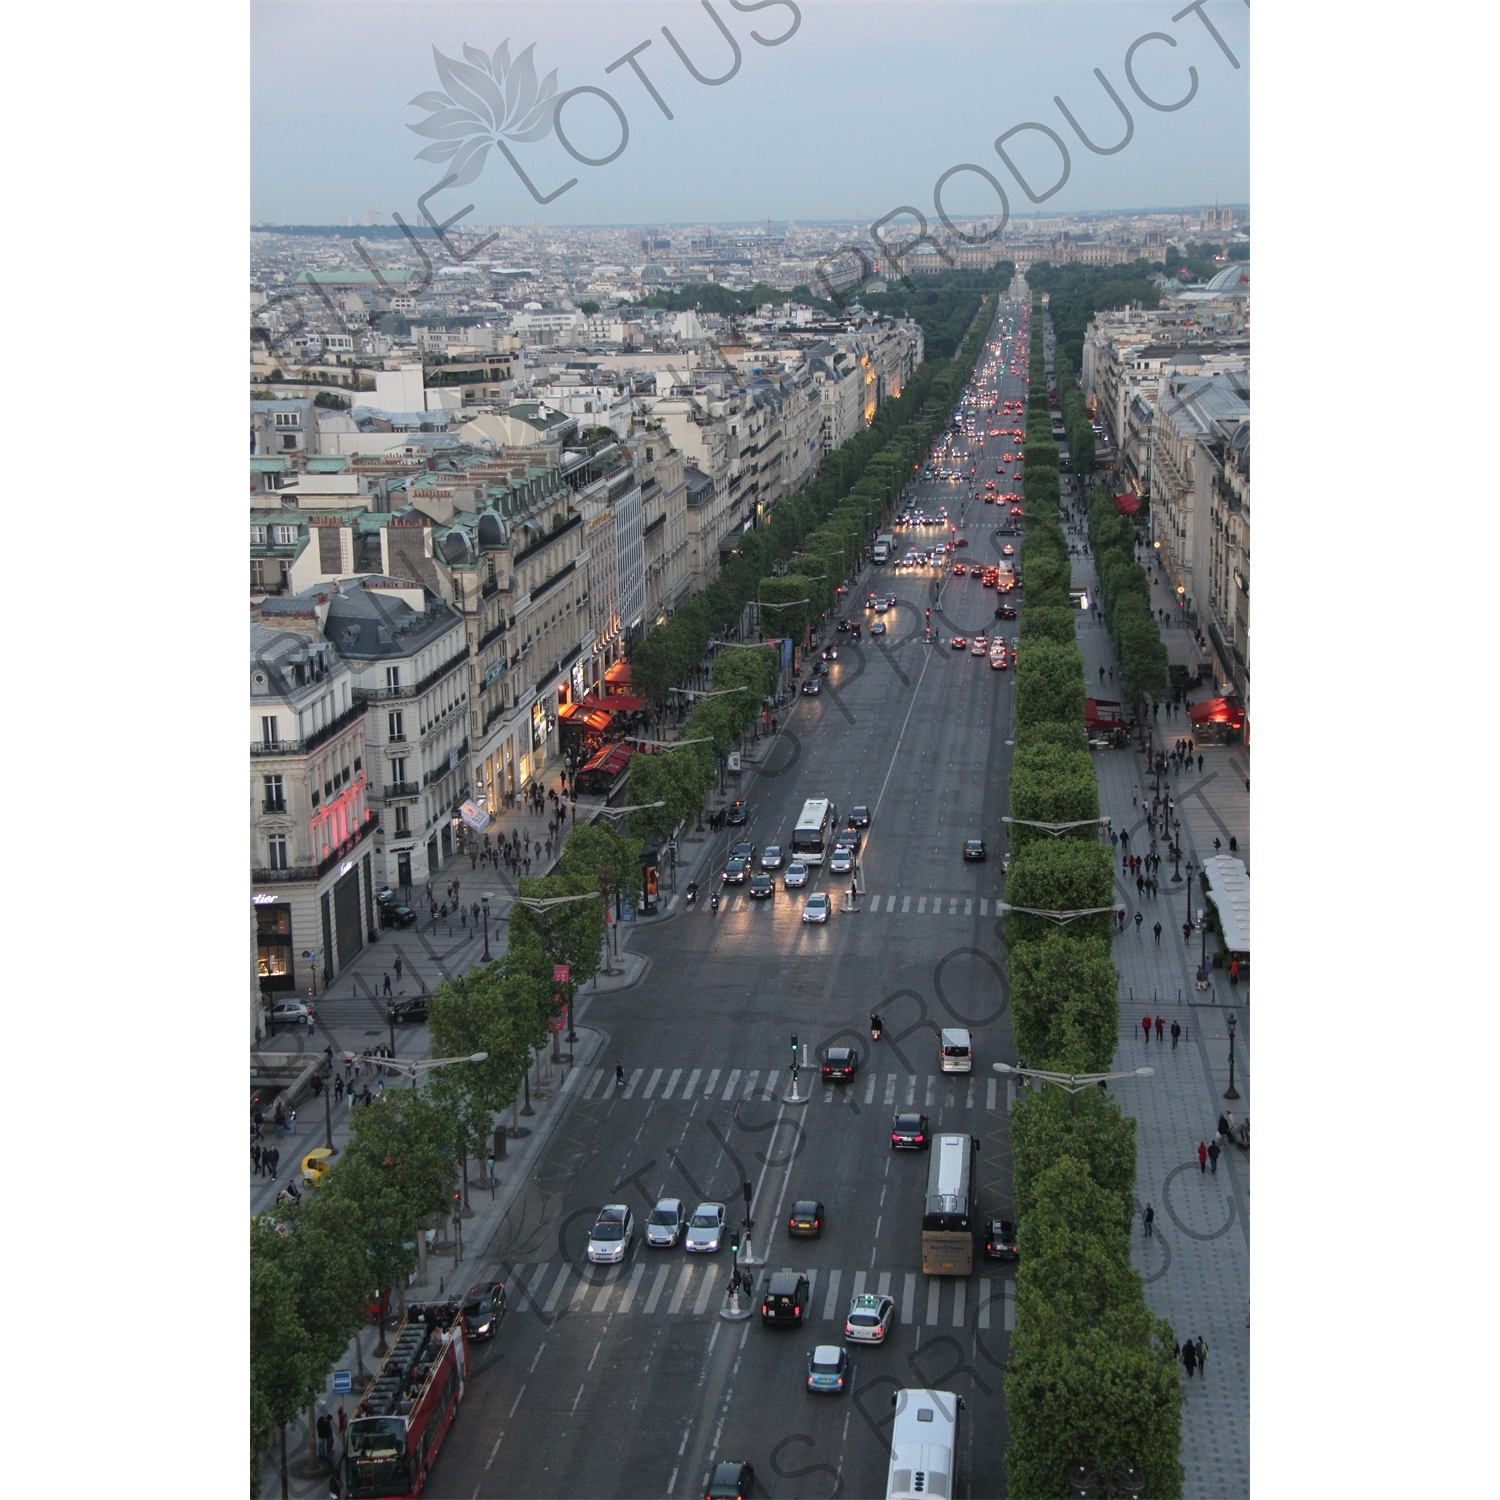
(958, 1054)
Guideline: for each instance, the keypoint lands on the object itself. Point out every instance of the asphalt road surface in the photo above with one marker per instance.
(625, 1381)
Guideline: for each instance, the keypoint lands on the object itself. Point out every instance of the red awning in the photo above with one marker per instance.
(614, 703)
(1127, 504)
(618, 675)
(1217, 711)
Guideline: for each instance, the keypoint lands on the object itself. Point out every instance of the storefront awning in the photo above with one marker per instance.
(1229, 890)
(1127, 504)
(1217, 711)
(613, 703)
(617, 677)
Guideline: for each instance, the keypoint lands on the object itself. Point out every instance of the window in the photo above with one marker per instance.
(257, 536)
(398, 770)
(393, 677)
(270, 730)
(357, 765)
(288, 419)
(257, 575)
(397, 725)
(403, 820)
(317, 797)
(328, 788)
(276, 852)
(289, 441)
(284, 536)
(275, 798)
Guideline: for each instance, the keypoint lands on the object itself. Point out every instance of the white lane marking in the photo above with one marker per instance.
(708, 1087)
(495, 1449)
(969, 1095)
(768, 1088)
(557, 1288)
(577, 1399)
(830, 1303)
(870, 1089)
(931, 1092)
(911, 1090)
(983, 1321)
(683, 1283)
(883, 1286)
(969, 908)
(827, 1093)
(989, 1093)
(651, 1084)
(859, 1285)
(666, 1093)
(594, 1356)
(890, 1088)
(630, 1291)
(934, 1292)
(585, 1285)
(874, 903)
(908, 1295)
(635, 1078)
(531, 1368)
(890, 904)
(1010, 1307)
(704, 1293)
(960, 1292)
(692, 1083)
(750, 1080)
(984, 906)
(734, 1078)
(594, 1083)
(922, 906)
(905, 904)
(514, 1404)
(601, 1302)
(656, 1286)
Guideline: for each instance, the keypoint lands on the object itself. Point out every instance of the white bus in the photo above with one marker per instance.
(948, 1211)
(813, 836)
(924, 1445)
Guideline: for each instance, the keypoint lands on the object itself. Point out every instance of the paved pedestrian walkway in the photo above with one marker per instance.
(1196, 1263)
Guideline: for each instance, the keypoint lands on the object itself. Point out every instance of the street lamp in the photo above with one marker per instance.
(1073, 1084)
(1231, 1092)
(1192, 870)
(1056, 830)
(1084, 1483)
(425, 1064)
(1062, 918)
(485, 900)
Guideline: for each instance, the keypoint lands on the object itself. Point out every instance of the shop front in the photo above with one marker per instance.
(273, 935)
(1219, 721)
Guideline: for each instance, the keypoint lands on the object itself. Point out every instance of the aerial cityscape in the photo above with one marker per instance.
(750, 808)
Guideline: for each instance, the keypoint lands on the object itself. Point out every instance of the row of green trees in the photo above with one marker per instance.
(1075, 417)
(1126, 588)
(1092, 1377)
(1076, 292)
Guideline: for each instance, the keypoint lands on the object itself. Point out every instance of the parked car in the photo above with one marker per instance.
(291, 1013)
(402, 1012)
(394, 914)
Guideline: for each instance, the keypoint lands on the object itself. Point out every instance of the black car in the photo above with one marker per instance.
(806, 1221)
(812, 687)
(731, 1481)
(910, 1133)
(840, 1064)
(737, 812)
(394, 914)
(785, 1299)
(973, 848)
(761, 887)
(1005, 612)
(859, 817)
(744, 850)
(843, 627)
(1000, 1241)
(736, 872)
(400, 1011)
(484, 1306)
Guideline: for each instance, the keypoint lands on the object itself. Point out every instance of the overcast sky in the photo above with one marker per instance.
(860, 110)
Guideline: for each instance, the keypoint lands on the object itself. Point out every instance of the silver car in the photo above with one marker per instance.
(771, 859)
(816, 909)
(665, 1226)
(796, 875)
(705, 1228)
(609, 1239)
(842, 860)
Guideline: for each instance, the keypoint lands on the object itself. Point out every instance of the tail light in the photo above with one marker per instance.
(765, 1308)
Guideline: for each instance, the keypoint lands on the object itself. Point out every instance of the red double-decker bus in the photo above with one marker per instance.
(406, 1410)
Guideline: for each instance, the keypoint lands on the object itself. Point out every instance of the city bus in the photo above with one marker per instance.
(817, 826)
(924, 1445)
(948, 1214)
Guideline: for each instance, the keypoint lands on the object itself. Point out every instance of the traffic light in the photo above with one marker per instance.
(794, 1049)
(734, 1242)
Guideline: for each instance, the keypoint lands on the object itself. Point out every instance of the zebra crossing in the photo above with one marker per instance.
(882, 904)
(726, 1085)
(683, 1288)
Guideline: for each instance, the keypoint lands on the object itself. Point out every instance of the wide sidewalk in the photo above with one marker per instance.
(1196, 1265)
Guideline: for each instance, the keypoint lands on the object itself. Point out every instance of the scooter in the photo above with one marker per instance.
(713, 902)
(875, 1028)
(692, 892)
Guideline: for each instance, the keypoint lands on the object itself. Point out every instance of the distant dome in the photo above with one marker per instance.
(457, 548)
(491, 530)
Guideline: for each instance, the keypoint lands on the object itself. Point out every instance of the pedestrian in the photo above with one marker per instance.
(1157, 931)
(1202, 1156)
(343, 1425)
(1148, 1218)
(1146, 1027)
(280, 1119)
(291, 1121)
(1190, 1357)
(398, 968)
(1213, 1155)
(1234, 971)
(1200, 767)
(1140, 886)
(1138, 920)
(1161, 1025)
(255, 1156)
(338, 1089)
(335, 1491)
(387, 989)
(1176, 1032)
(275, 1160)
(1234, 844)
(1201, 1349)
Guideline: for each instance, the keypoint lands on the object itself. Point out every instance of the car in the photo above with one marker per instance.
(859, 817)
(1007, 612)
(705, 1230)
(666, 1224)
(743, 849)
(609, 1239)
(870, 1318)
(395, 914)
(827, 1368)
(980, 646)
(736, 872)
(959, 570)
(796, 875)
(955, 1050)
(817, 908)
(999, 661)
(737, 812)
(910, 1133)
(1000, 1241)
(881, 605)
(806, 1221)
(973, 848)
(730, 1481)
(1007, 550)
(840, 1064)
(822, 669)
(960, 643)
(761, 886)
(1005, 862)
(843, 627)
(841, 861)
(850, 838)
(830, 653)
(854, 632)
(484, 1306)
(400, 1012)
(811, 688)
(291, 1013)
(771, 859)
(961, 541)
(785, 1299)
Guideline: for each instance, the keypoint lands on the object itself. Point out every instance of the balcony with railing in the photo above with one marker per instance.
(345, 720)
(307, 874)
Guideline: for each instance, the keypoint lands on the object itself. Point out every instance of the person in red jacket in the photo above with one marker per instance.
(1146, 1027)
(1202, 1156)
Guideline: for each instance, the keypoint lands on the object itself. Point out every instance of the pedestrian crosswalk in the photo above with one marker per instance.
(727, 1085)
(884, 904)
(671, 1285)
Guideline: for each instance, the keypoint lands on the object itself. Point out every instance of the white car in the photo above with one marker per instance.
(705, 1229)
(291, 1012)
(609, 1239)
(796, 875)
(869, 1318)
(817, 908)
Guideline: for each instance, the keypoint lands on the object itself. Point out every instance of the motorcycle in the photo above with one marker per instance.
(692, 892)
(875, 1028)
(713, 902)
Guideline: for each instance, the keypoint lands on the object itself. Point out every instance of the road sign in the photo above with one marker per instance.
(628, 915)
(343, 1382)
(560, 973)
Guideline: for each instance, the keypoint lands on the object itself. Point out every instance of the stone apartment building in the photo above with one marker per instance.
(1223, 476)
(662, 473)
